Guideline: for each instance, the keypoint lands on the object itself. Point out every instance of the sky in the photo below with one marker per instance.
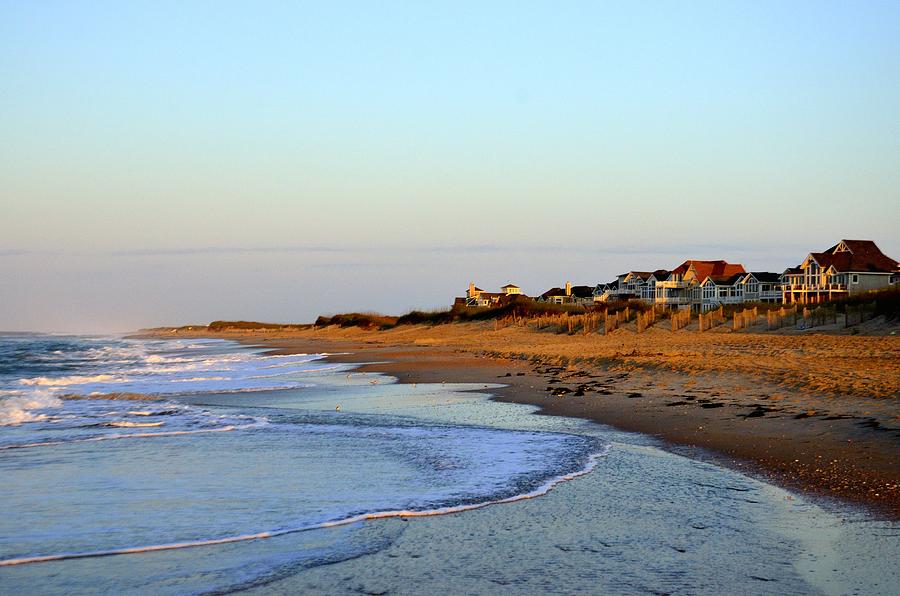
(181, 162)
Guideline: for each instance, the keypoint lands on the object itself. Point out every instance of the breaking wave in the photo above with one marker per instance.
(19, 409)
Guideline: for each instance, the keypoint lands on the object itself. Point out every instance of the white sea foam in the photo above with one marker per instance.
(154, 412)
(355, 519)
(72, 380)
(16, 410)
(173, 433)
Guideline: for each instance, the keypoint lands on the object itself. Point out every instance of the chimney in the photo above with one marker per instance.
(568, 288)
(471, 289)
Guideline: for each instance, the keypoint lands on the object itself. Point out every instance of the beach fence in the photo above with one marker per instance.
(645, 320)
(681, 319)
(560, 323)
(821, 315)
(586, 323)
(615, 320)
(776, 319)
(856, 315)
(555, 322)
(590, 323)
(744, 319)
(711, 319)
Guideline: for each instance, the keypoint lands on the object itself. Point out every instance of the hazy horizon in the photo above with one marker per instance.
(171, 163)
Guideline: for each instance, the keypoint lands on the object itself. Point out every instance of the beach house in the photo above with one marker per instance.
(762, 286)
(682, 288)
(606, 292)
(633, 283)
(556, 295)
(569, 295)
(848, 267)
(718, 290)
(641, 285)
(583, 295)
(648, 289)
(477, 297)
(512, 290)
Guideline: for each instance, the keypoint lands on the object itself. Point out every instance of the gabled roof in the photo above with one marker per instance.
(705, 269)
(510, 286)
(582, 291)
(724, 280)
(552, 292)
(659, 274)
(765, 276)
(862, 256)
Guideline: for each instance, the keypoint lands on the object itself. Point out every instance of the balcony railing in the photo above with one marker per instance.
(816, 288)
(673, 300)
(672, 284)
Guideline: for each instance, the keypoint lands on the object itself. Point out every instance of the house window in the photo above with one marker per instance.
(854, 278)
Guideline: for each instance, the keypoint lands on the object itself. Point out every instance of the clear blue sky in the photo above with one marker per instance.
(172, 162)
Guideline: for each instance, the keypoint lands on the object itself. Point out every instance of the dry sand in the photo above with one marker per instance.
(817, 413)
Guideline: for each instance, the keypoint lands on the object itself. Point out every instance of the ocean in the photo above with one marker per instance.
(231, 469)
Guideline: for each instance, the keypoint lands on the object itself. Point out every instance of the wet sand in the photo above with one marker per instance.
(730, 397)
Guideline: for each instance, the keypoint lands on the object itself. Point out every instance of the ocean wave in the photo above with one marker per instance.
(152, 412)
(17, 410)
(244, 389)
(354, 519)
(96, 439)
(115, 396)
(72, 380)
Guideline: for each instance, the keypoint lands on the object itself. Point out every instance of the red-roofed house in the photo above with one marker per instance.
(683, 286)
(848, 267)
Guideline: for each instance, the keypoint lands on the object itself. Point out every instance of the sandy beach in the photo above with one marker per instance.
(814, 413)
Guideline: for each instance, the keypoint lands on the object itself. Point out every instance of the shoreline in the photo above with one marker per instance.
(837, 458)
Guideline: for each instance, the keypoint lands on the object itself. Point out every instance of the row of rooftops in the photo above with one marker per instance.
(848, 256)
(719, 272)
(514, 290)
(570, 290)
